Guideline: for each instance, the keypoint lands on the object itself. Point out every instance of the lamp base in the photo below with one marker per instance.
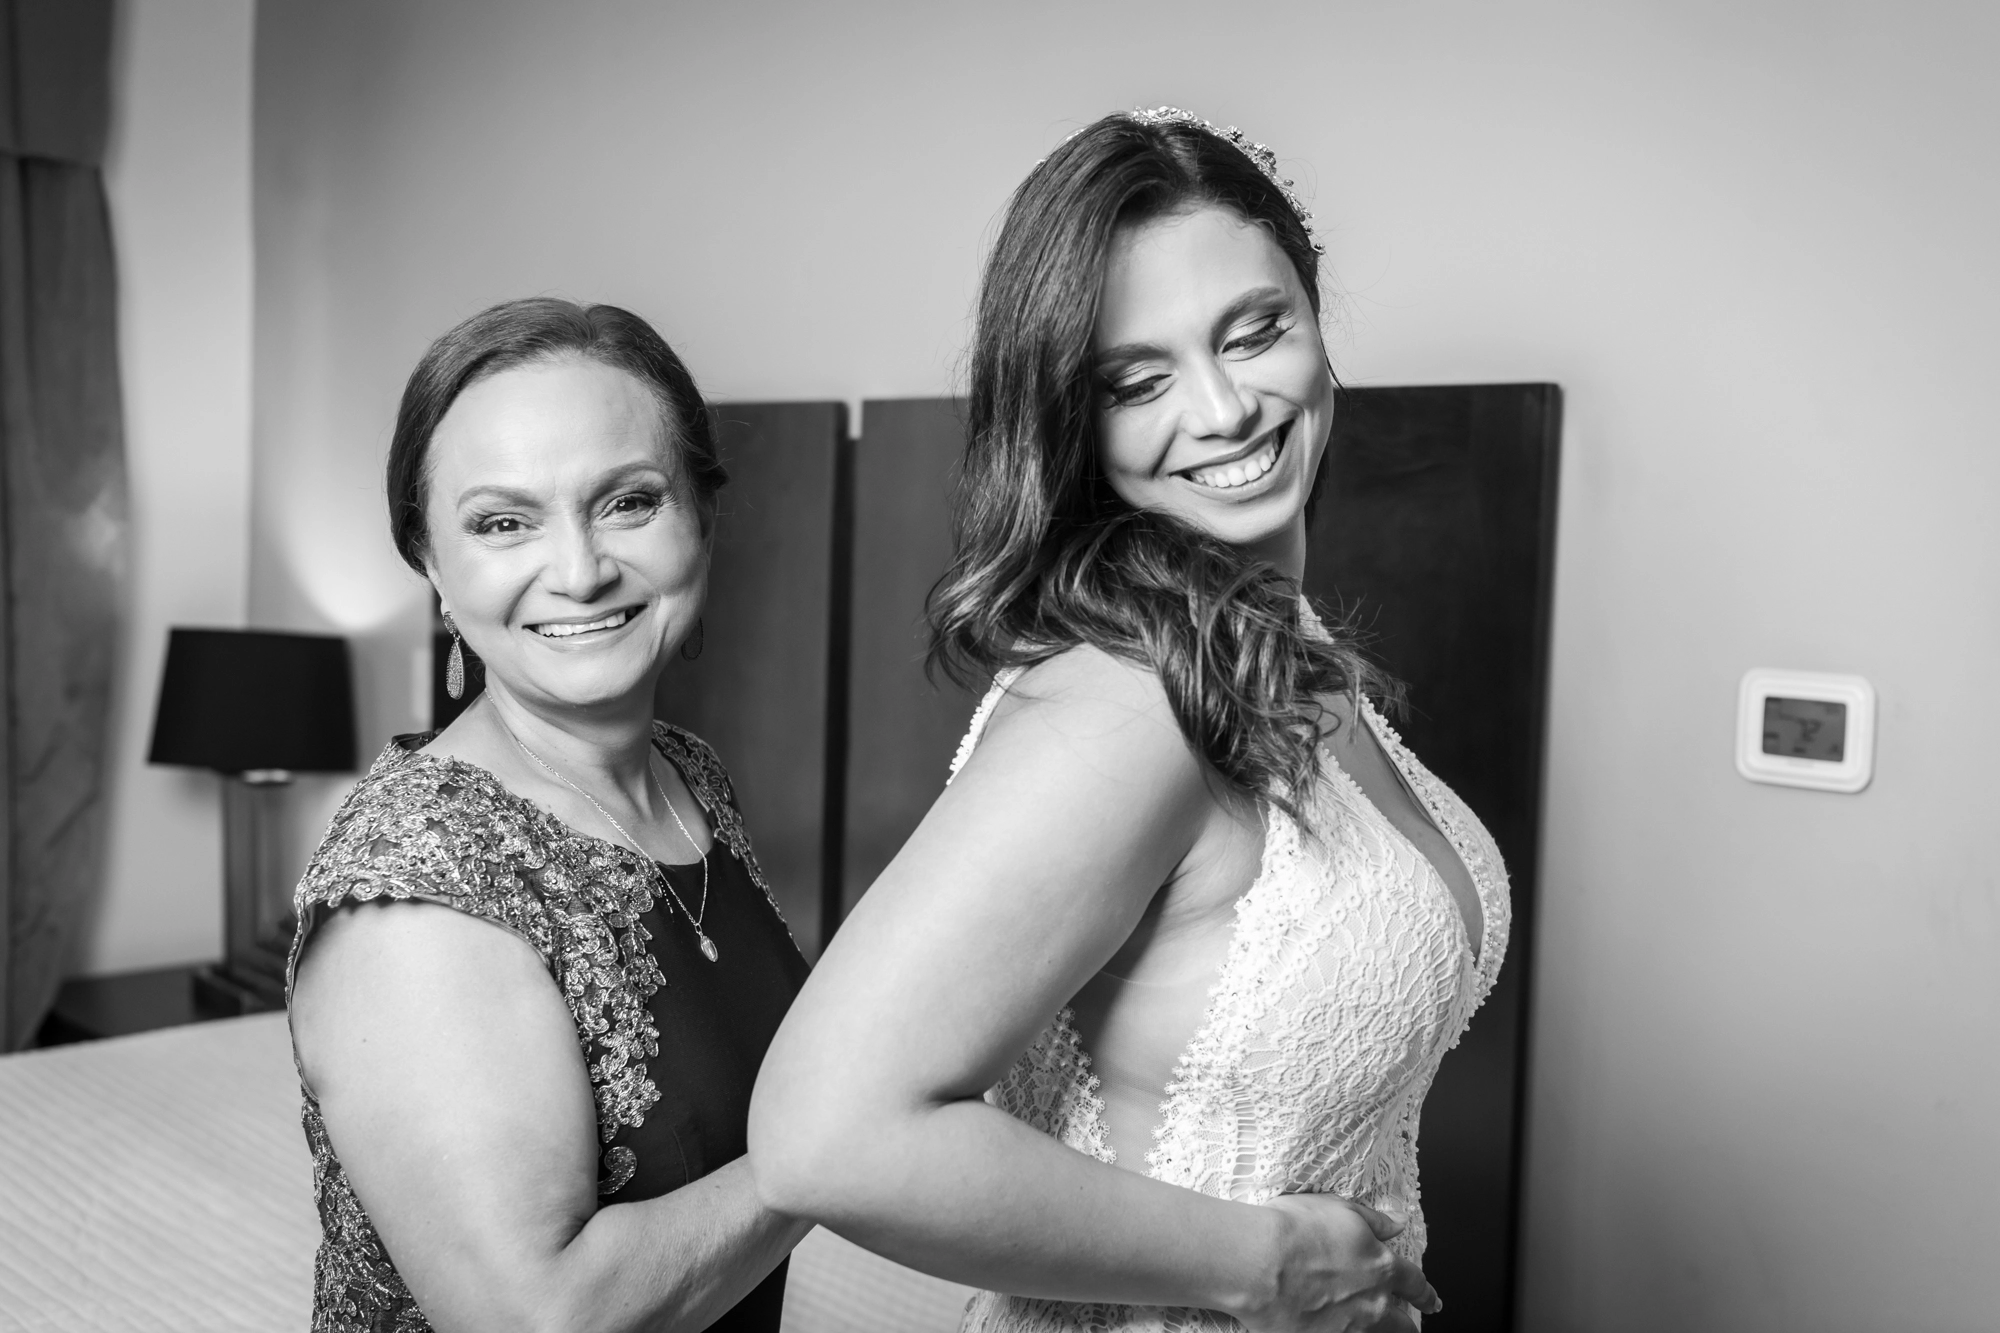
(225, 990)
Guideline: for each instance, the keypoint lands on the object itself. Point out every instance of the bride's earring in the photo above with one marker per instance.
(691, 646)
(454, 665)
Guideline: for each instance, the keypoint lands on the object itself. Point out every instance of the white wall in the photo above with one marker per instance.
(178, 176)
(1753, 243)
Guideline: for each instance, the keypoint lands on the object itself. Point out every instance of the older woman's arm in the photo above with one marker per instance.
(447, 1070)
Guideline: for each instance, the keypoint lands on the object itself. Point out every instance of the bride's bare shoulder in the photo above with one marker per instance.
(1086, 678)
(1091, 703)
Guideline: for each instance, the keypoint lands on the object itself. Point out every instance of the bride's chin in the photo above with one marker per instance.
(1274, 524)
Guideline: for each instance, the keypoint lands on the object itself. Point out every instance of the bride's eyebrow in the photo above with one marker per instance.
(1111, 358)
(1265, 298)
(1257, 297)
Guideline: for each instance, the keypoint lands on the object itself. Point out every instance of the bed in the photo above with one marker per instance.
(161, 1182)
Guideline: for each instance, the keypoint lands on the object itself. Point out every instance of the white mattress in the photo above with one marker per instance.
(156, 1182)
(161, 1182)
(836, 1286)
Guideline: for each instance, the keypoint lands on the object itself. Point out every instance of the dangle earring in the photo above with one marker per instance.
(691, 646)
(454, 665)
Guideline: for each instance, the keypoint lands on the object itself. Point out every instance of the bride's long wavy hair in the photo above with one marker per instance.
(1048, 556)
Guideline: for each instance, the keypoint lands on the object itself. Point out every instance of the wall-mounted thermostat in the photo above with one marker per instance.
(1806, 729)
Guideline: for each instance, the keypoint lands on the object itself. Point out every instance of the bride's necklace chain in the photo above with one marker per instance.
(708, 949)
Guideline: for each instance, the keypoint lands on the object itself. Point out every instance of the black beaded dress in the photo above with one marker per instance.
(672, 1041)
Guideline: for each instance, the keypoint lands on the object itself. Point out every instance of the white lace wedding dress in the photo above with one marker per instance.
(1348, 976)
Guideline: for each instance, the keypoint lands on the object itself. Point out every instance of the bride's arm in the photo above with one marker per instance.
(1081, 801)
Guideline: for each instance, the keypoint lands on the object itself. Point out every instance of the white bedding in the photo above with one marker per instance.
(161, 1182)
(156, 1182)
(836, 1286)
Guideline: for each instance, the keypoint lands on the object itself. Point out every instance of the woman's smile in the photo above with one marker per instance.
(583, 632)
(1238, 472)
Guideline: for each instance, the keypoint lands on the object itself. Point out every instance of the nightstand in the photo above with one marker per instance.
(87, 1008)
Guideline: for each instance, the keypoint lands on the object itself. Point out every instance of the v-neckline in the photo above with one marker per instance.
(1369, 719)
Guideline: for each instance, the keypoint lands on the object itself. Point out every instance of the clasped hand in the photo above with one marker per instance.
(1338, 1275)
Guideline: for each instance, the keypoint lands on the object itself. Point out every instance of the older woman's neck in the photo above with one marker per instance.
(609, 742)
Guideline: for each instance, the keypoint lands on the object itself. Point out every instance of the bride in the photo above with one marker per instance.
(1137, 1027)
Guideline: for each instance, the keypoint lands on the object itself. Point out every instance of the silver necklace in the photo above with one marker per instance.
(708, 949)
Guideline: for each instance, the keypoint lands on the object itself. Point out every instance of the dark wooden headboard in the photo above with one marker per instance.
(1435, 531)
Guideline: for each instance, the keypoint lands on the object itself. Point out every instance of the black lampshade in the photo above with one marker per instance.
(235, 700)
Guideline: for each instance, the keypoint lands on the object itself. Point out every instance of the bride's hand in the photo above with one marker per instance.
(1337, 1276)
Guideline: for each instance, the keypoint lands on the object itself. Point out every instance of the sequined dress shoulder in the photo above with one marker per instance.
(427, 828)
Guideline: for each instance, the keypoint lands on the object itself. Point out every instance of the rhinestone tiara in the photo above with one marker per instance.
(1262, 157)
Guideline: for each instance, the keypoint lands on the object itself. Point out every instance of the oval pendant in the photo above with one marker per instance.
(708, 949)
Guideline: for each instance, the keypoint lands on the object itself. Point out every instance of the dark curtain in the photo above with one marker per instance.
(62, 487)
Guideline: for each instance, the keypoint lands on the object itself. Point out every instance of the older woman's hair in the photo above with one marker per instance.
(1048, 555)
(542, 328)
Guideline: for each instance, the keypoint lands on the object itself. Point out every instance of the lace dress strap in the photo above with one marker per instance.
(981, 716)
(1453, 818)
(1468, 836)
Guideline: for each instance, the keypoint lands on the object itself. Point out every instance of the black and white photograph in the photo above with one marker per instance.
(1030, 667)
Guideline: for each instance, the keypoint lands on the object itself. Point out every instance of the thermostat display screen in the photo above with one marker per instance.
(1805, 728)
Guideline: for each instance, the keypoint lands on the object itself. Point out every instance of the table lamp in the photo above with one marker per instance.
(255, 706)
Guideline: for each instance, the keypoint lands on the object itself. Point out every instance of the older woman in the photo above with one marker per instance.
(1136, 1029)
(537, 966)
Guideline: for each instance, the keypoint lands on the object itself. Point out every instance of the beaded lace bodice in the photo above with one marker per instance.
(1348, 976)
